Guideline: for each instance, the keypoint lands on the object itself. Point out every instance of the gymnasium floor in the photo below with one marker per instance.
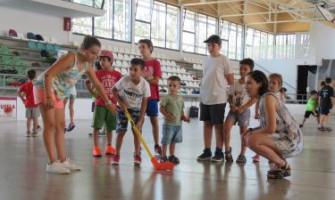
(23, 175)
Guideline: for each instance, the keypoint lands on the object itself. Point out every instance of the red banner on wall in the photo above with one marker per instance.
(8, 108)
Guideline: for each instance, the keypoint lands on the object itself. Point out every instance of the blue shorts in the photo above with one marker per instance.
(122, 120)
(242, 119)
(172, 134)
(152, 108)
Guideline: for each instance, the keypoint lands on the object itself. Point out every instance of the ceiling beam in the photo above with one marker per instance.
(259, 13)
(211, 2)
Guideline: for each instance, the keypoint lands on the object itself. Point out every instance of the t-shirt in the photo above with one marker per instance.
(312, 104)
(214, 83)
(173, 105)
(237, 91)
(108, 80)
(325, 95)
(27, 88)
(153, 68)
(132, 94)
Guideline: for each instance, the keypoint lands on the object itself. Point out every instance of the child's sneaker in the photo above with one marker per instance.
(28, 134)
(174, 159)
(116, 160)
(158, 149)
(218, 157)
(301, 125)
(57, 168)
(321, 128)
(109, 150)
(39, 128)
(163, 159)
(69, 164)
(137, 160)
(96, 152)
(70, 127)
(205, 156)
(35, 134)
(256, 158)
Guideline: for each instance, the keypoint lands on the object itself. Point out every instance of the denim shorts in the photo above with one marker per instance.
(172, 134)
(122, 120)
(242, 119)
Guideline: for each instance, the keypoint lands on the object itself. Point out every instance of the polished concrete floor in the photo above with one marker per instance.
(23, 175)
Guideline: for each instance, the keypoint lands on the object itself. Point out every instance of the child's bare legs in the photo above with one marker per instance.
(53, 135)
(164, 150)
(303, 121)
(243, 146)
(137, 144)
(71, 109)
(227, 128)
(208, 127)
(96, 137)
(155, 129)
(28, 124)
(219, 135)
(172, 147)
(119, 140)
(35, 124)
(60, 142)
(109, 138)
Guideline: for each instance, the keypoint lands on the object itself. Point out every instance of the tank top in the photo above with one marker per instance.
(64, 81)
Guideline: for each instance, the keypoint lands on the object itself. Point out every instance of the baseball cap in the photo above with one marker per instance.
(214, 38)
(105, 53)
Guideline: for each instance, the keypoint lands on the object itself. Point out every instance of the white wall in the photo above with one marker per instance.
(324, 42)
(25, 21)
(287, 68)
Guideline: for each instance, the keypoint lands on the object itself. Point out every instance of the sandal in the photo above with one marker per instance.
(28, 134)
(280, 172)
(174, 159)
(241, 159)
(229, 157)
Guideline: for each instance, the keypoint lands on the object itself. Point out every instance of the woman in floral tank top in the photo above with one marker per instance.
(278, 137)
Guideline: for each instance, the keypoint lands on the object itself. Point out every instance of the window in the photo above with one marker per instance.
(115, 24)
(196, 29)
(232, 36)
(159, 22)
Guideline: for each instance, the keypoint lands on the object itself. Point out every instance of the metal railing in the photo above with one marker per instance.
(92, 3)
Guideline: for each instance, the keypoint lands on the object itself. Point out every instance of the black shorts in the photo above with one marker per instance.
(308, 113)
(324, 111)
(213, 113)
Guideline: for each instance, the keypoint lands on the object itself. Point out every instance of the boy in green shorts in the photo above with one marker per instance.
(311, 107)
(107, 77)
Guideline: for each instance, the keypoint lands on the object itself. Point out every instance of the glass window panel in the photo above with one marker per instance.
(143, 10)
(122, 13)
(103, 25)
(158, 24)
(189, 22)
(172, 28)
(188, 41)
(82, 25)
(142, 31)
(225, 30)
(224, 48)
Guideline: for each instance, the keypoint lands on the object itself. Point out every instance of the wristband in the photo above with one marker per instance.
(108, 102)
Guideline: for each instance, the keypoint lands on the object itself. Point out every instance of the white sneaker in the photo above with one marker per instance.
(57, 168)
(69, 164)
